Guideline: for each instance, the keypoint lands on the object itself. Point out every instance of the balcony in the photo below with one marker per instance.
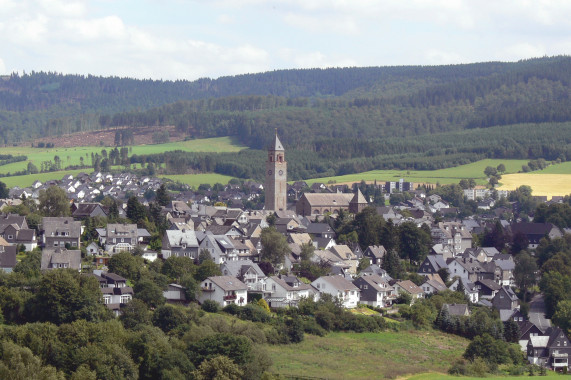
(207, 289)
(230, 297)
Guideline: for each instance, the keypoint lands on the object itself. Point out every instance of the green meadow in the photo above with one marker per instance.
(196, 180)
(443, 176)
(440, 376)
(71, 156)
(368, 355)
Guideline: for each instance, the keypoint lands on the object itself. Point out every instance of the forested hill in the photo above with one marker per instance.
(357, 116)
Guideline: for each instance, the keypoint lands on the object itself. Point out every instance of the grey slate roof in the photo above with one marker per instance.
(228, 283)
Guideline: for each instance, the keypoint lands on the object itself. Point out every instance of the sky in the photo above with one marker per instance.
(191, 39)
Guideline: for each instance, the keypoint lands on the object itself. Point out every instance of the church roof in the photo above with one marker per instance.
(277, 143)
(359, 198)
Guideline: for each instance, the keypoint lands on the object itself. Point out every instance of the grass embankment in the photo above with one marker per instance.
(72, 156)
(368, 355)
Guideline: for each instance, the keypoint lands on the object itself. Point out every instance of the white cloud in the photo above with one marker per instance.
(524, 50)
(2, 68)
(440, 57)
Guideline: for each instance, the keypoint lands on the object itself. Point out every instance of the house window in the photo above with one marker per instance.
(55, 243)
(10, 236)
(365, 286)
(74, 244)
(125, 299)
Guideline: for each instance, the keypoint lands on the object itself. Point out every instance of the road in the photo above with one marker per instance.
(537, 312)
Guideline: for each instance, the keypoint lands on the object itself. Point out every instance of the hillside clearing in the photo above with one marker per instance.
(368, 355)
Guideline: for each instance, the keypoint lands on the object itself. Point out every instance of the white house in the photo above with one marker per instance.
(224, 290)
(337, 286)
(285, 291)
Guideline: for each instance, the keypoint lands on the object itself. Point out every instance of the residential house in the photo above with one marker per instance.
(375, 253)
(7, 256)
(452, 234)
(283, 291)
(180, 243)
(487, 289)
(533, 232)
(88, 210)
(375, 290)
(121, 237)
(220, 247)
(225, 290)
(337, 286)
(116, 293)
(466, 269)
(433, 285)
(409, 287)
(470, 289)
(61, 232)
(505, 299)
(321, 230)
(550, 350)
(61, 258)
(175, 293)
(246, 271)
(432, 264)
(457, 309)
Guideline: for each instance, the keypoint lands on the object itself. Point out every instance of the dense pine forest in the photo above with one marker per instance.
(343, 120)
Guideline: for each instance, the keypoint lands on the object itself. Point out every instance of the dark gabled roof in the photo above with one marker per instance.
(531, 228)
(376, 282)
(8, 257)
(492, 285)
(113, 277)
(85, 209)
(228, 283)
(319, 228)
(378, 251)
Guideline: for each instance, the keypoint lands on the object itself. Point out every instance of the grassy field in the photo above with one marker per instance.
(441, 376)
(443, 176)
(196, 180)
(27, 180)
(368, 355)
(71, 156)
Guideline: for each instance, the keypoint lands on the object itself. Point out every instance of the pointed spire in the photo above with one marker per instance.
(359, 198)
(277, 143)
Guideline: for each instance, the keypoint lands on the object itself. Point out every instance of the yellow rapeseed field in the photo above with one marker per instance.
(542, 184)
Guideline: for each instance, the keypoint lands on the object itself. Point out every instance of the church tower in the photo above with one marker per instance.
(276, 177)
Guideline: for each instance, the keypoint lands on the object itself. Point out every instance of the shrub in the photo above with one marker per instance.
(325, 319)
(254, 313)
(210, 306)
(232, 309)
(311, 326)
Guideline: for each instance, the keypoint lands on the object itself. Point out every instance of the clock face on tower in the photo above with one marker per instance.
(281, 172)
(269, 172)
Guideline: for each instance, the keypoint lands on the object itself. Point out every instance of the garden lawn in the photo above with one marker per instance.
(368, 355)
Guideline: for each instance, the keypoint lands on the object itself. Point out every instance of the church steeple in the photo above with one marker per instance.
(277, 143)
(276, 177)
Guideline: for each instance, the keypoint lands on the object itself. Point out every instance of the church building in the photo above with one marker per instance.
(276, 177)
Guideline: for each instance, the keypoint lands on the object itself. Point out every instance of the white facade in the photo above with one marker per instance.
(337, 286)
(224, 290)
